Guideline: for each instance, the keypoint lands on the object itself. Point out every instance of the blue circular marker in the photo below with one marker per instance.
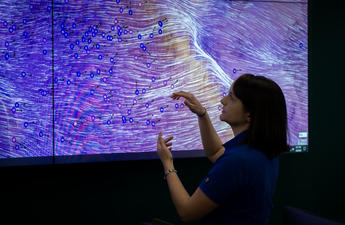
(121, 10)
(14, 27)
(68, 82)
(153, 123)
(137, 92)
(162, 109)
(77, 42)
(119, 39)
(86, 34)
(25, 34)
(129, 112)
(66, 34)
(123, 119)
(160, 23)
(147, 105)
(74, 25)
(111, 59)
(109, 38)
(7, 44)
(76, 55)
(62, 139)
(16, 105)
(7, 56)
(78, 74)
(71, 46)
(93, 34)
(62, 31)
(17, 147)
(142, 45)
(301, 45)
(148, 65)
(92, 75)
(10, 30)
(85, 47)
(89, 40)
(23, 74)
(92, 91)
(95, 30)
(5, 23)
(117, 1)
(103, 34)
(131, 120)
(144, 48)
(110, 71)
(98, 71)
(147, 122)
(14, 109)
(99, 57)
(41, 134)
(108, 122)
(130, 12)
(44, 93)
(98, 46)
(234, 70)
(26, 124)
(143, 91)
(160, 31)
(153, 79)
(176, 105)
(44, 52)
(119, 27)
(151, 35)
(83, 39)
(24, 21)
(139, 36)
(90, 29)
(119, 33)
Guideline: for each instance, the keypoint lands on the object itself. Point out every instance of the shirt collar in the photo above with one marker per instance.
(237, 140)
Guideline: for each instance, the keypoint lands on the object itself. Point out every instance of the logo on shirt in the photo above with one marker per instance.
(207, 180)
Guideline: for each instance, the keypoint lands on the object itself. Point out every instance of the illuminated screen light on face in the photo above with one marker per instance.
(94, 77)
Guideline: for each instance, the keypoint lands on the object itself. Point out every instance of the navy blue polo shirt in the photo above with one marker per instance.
(242, 182)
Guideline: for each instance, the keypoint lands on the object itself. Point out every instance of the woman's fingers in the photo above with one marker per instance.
(168, 139)
(179, 94)
(164, 142)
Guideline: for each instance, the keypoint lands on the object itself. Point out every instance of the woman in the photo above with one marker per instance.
(239, 187)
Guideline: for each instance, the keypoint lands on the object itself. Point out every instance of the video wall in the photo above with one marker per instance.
(93, 77)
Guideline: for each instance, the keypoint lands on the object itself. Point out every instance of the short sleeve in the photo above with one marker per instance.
(224, 179)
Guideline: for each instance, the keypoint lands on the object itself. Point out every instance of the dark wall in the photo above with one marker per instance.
(131, 192)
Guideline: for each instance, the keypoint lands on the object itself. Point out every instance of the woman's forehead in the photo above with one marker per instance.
(231, 88)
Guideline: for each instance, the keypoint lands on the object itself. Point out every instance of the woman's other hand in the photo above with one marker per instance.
(164, 149)
(193, 104)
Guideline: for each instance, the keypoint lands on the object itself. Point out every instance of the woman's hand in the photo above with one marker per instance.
(163, 150)
(193, 104)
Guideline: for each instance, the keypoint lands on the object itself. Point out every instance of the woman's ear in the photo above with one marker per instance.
(249, 119)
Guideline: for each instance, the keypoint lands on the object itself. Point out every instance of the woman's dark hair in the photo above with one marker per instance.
(265, 102)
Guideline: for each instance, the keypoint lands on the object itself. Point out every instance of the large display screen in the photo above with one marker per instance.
(93, 77)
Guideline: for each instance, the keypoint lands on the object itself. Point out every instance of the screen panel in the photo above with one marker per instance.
(26, 81)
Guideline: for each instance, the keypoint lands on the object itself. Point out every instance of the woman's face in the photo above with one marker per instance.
(233, 111)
